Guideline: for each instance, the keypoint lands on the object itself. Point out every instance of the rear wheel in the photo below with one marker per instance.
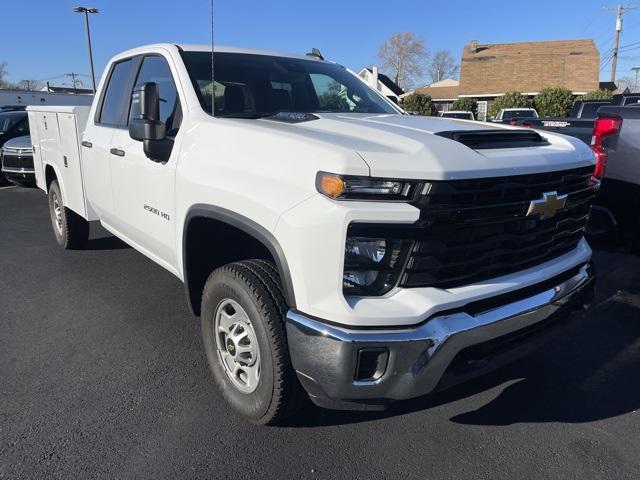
(69, 228)
(244, 337)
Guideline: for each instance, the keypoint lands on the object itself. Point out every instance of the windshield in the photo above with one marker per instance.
(507, 114)
(251, 86)
(9, 120)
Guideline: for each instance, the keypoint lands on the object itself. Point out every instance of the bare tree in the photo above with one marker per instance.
(29, 85)
(442, 66)
(404, 54)
(3, 73)
(626, 82)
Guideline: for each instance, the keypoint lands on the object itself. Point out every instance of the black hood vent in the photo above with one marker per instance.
(496, 138)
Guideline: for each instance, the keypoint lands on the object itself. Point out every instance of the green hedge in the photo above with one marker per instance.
(597, 95)
(467, 104)
(554, 102)
(420, 103)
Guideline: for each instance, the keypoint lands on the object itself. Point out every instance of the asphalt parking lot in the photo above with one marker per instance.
(102, 375)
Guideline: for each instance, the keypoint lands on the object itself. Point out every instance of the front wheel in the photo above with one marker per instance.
(69, 228)
(244, 337)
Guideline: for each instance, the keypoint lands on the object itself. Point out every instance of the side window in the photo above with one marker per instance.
(155, 69)
(116, 96)
(23, 126)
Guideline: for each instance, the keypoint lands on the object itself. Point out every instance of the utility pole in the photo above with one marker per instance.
(619, 11)
(87, 11)
(74, 80)
(635, 86)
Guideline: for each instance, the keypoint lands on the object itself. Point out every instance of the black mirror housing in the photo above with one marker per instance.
(145, 123)
(142, 129)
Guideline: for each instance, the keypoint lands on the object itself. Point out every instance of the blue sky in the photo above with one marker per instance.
(47, 39)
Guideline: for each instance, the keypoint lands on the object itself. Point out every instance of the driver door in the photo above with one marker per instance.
(143, 189)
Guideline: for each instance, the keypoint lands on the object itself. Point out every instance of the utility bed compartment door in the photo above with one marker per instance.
(56, 135)
(70, 165)
(35, 120)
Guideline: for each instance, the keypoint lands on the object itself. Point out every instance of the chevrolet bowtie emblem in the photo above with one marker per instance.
(548, 205)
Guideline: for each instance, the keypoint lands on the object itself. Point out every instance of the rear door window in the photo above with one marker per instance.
(116, 97)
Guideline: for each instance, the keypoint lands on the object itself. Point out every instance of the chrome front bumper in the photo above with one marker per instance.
(438, 353)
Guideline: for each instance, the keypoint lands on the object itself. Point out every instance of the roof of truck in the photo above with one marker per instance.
(207, 48)
(230, 49)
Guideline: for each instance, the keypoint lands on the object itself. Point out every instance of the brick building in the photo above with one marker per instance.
(488, 71)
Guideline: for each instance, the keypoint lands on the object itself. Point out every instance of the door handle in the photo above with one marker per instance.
(117, 151)
(87, 144)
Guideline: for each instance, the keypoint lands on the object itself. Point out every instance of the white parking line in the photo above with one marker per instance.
(9, 186)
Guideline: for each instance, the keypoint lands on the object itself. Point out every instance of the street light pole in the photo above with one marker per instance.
(87, 11)
(635, 87)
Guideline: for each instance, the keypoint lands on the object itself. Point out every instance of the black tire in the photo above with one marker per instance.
(69, 228)
(255, 286)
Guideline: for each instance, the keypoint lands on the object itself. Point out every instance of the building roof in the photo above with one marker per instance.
(387, 82)
(446, 82)
(529, 67)
(611, 86)
(440, 93)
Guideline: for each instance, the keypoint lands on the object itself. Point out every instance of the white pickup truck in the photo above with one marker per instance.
(331, 244)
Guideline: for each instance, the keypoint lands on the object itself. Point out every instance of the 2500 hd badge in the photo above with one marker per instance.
(151, 209)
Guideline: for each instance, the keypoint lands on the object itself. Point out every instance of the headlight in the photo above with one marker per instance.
(349, 187)
(372, 265)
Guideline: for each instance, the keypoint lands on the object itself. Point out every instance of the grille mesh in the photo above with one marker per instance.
(474, 230)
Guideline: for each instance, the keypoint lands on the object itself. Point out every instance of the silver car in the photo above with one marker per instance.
(17, 161)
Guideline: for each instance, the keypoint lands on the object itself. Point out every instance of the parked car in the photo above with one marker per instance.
(337, 248)
(616, 142)
(507, 115)
(13, 123)
(581, 119)
(17, 161)
(461, 114)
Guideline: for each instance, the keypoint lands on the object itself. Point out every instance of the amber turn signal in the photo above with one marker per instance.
(331, 185)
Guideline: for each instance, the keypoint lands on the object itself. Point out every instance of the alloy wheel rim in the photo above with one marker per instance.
(237, 345)
(57, 211)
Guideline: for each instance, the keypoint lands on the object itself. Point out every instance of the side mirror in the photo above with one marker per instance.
(145, 126)
(145, 105)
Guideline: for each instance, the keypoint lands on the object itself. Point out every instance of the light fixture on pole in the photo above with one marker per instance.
(87, 11)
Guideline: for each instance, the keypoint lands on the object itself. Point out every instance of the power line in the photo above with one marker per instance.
(631, 49)
(629, 45)
(589, 25)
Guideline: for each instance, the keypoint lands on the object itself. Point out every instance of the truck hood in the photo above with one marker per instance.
(405, 146)
(18, 143)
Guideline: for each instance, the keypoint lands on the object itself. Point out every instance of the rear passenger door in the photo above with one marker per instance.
(143, 190)
(110, 116)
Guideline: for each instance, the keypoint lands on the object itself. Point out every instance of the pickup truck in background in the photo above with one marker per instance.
(510, 115)
(460, 114)
(581, 119)
(616, 142)
(331, 245)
